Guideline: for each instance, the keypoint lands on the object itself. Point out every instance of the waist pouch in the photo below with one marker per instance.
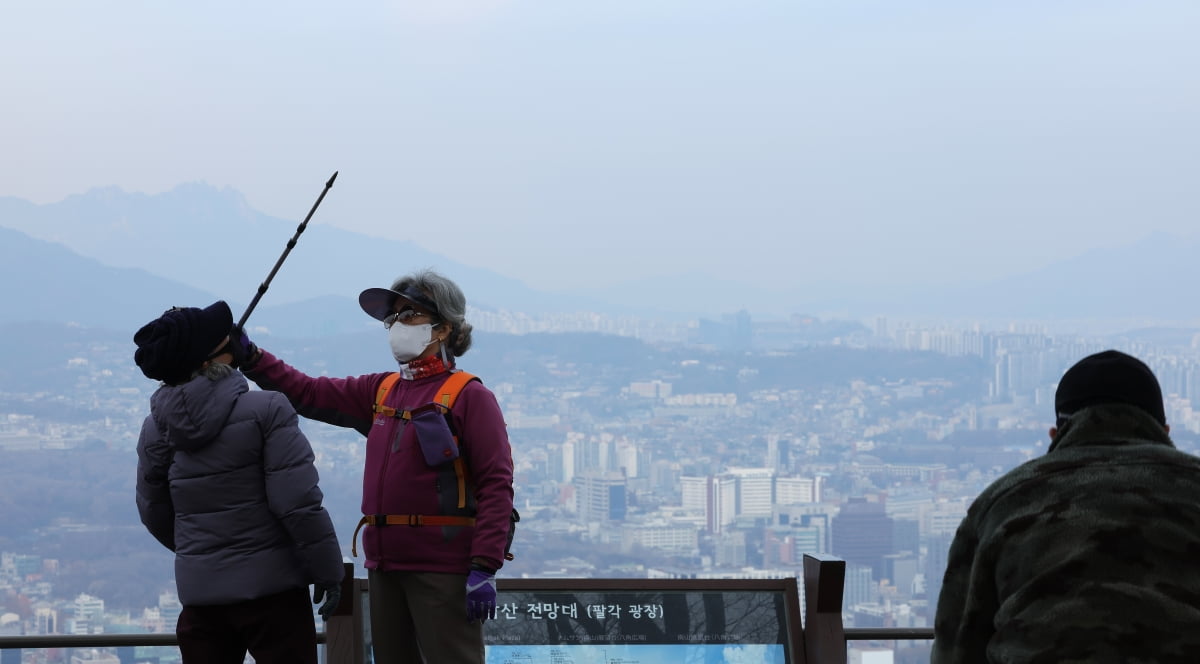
(437, 442)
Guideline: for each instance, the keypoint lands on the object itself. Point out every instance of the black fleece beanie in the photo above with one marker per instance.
(1109, 377)
(172, 346)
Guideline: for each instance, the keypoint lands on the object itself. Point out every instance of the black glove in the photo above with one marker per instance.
(245, 353)
(332, 595)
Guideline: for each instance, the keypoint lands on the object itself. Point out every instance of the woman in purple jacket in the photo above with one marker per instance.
(436, 527)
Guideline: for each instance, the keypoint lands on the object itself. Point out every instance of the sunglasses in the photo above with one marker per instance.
(407, 316)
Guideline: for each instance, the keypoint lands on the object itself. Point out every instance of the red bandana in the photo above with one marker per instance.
(430, 366)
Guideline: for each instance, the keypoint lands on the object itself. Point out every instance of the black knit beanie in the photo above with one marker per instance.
(1109, 377)
(172, 346)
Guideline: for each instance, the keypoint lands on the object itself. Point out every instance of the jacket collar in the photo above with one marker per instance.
(1110, 424)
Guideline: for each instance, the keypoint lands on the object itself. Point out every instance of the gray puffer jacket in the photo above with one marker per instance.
(226, 481)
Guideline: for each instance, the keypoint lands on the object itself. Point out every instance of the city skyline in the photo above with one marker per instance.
(625, 468)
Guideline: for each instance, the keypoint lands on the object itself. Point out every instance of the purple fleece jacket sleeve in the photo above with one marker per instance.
(344, 402)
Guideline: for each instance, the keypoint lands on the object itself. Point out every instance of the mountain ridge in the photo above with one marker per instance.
(211, 240)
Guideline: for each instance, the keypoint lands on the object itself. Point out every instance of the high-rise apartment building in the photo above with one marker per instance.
(786, 546)
(730, 549)
(654, 389)
(45, 620)
(901, 570)
(627, 458)
(560, 462)
(665, 477)
(693, 492)
(945, 516)
(797, 490)
(716, 496)
(169, 609)
(817, 516)
(937, 548)
(906, 535)
(721, 508)
(88, 615)
(862, 533)
(755, 491)
(676, 538)
(93, 656)
(859, 586)
(570, 459)
(600, 496)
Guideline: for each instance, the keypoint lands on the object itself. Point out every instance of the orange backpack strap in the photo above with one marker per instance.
(389, 381)
(447, 394)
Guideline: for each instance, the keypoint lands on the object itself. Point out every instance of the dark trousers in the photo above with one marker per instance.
(275, 629)
(421, 617)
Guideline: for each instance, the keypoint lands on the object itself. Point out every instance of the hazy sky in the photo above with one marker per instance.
(571, 144)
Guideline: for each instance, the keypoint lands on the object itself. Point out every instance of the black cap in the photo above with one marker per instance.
(1109, 377)
(172, 346)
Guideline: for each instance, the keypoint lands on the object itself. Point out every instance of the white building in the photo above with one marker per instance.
(797, 490)
(682, 538)
(88, 615)
(93, 656)
(755, 491)
(870, 655)
(694, 493)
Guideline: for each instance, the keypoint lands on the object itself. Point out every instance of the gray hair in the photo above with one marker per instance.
(451, 305)
(214, 371)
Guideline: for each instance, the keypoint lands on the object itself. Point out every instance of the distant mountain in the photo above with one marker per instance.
(211, 239)
(44, 281)
(700, 295)
(1152, 278)
(1149, 279)
(47, 282)
(1156, 276)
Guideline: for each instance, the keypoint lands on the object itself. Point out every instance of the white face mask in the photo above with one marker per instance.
(409, 341)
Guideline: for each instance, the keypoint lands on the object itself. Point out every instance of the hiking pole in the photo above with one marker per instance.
(262, 288)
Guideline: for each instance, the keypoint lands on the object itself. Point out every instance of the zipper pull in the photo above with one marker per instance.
(399, 432)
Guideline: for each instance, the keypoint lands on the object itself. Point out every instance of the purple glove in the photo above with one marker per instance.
(245, 353)
(481, 595)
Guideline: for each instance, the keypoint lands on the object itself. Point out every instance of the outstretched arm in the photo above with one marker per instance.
(343, 402)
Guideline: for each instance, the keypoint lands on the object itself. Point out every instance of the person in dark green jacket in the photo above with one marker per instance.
(1089, 553)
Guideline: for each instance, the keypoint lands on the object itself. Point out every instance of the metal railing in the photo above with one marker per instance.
(825, 636)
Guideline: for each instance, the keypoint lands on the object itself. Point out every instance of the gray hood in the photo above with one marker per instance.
(226, 480)
(194, 413)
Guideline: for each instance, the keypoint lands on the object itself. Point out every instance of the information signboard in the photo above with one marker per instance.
(645, 621)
